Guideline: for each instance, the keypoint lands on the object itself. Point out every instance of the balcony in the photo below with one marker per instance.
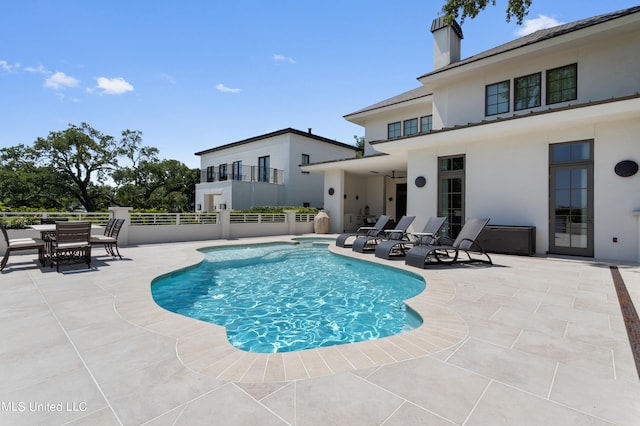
(245, 174)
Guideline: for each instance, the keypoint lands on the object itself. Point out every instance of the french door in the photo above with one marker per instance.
(571, 198)
(451, 193)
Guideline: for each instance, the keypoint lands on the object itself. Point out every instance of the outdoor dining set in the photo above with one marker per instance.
(62, 241)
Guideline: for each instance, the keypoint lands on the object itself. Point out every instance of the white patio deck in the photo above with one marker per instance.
(526, 341)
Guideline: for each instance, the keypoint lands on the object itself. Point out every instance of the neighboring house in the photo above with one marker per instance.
(543, 131)
(265, 171)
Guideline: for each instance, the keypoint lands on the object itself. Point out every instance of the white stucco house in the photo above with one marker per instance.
(543, 131)
(265, 171)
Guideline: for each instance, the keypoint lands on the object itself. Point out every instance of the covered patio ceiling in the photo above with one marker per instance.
(372, 165)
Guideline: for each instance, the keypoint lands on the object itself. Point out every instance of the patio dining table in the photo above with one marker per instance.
(48, 234)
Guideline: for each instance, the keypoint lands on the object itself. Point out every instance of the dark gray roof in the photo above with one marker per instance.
(539, 36)
(416, 93)
(278, 133)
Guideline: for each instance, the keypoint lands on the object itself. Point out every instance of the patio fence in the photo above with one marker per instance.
(147, 228)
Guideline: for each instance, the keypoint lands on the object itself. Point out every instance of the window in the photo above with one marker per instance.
(211, 174)
(562, 84)
(237, 170)
(393, 130)
(426, 123)
(222, 171)
(305, 160)
(410, 127)
(263, 169)
(572, 151)
(527, 92)
(497, 98)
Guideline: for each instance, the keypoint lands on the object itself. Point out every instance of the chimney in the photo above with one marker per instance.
(446, 42)
(309, 130)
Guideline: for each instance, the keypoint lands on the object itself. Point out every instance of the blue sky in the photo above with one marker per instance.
(192, 75)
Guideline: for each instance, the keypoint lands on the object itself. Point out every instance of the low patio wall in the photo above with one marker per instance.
(150, 228)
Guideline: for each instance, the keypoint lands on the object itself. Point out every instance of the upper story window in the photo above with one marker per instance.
(497, 98)
(211, 174)
(410, 126)
(237, 170)
(426, 123)
(263, 168)
(527, 91)
(222, 171)
(562, 84)
(394, 130)
(306, 159)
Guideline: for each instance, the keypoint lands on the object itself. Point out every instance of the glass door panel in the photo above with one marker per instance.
(572, 214)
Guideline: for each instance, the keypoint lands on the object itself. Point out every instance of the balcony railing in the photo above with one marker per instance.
(245, 174)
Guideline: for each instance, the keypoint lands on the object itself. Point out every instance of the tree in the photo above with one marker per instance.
(463, 8)
(26, 182)
(151, 183)
(360, 145)
(82, 158)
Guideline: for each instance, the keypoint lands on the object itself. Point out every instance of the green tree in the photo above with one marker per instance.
(150, 183)
(80, 158)
(470, 8)
(26, 182)
(359, 144)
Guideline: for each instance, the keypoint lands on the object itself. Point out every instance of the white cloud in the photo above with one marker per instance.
(282, 58)
(113, 86)
(539, 23)
(60, 80)
(6, 66)
(222, 88)
(37, 70)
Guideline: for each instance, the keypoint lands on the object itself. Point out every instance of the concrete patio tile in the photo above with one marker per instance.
(314, 364)
(294, 367)
(260, 391)
(595, 335)
(567, 351)
(237, 370)
(67, 396)
(255, 372)
(594, 319)
(28, 332)
(410, 414)
(433, 385)
(283, 403)
(617, 401)
(30, 368)
(493, 332)
(227, 405)
(275, 369)
(564, 301)
(530, 321)
(104, 333)
(329, 400)
(532, 373)
(503, 405)
(112, 361)
(336, 362)
(152, 397)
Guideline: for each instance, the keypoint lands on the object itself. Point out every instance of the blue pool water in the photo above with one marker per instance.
(285, 297)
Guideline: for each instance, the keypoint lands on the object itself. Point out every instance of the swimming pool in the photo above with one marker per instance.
(284, 297)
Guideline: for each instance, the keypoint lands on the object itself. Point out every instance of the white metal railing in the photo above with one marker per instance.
(141, 219)
(257, 218)
(305, 217)
(34, 218)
